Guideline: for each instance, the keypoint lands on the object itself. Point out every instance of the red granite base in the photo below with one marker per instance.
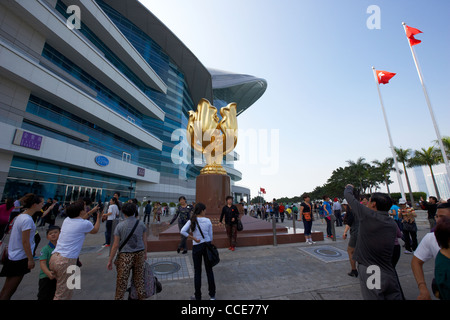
(256, 233)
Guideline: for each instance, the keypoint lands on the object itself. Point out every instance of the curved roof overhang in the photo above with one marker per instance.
(242, 89)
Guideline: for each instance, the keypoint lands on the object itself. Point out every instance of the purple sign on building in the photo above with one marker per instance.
(27, 140)
(141, 172)
(30, 140)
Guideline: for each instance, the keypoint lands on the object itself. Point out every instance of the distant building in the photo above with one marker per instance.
(425, 181)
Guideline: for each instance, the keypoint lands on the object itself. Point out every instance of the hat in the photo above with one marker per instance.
(402, 201)
(344, 201)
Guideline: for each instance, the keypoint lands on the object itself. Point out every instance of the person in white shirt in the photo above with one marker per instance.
(113, 213)
(68, 248)
(427, 249)
(337, 212)
(199, 239)
(17, 207)
(21, 244)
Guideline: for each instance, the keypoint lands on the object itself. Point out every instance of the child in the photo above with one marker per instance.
(47, 281)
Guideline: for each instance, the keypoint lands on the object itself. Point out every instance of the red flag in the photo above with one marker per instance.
(384, 76)
(262, 190)
(410, 33)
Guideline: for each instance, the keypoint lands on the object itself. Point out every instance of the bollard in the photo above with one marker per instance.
(274, 227)
(333, 226)
(294, 217)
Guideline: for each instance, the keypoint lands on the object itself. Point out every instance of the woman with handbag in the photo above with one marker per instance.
(21, 244)
(130, 241)
(306, 215)
(199, 230)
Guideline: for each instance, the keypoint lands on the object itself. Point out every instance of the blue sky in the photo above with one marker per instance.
(317, 58)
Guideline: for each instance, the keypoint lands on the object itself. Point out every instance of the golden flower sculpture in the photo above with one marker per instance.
(210, 137)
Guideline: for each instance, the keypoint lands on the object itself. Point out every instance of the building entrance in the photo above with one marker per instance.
(74, 193)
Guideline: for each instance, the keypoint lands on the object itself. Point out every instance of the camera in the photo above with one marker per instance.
(100, 205)
(356, 193)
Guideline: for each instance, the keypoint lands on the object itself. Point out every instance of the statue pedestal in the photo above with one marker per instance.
(212, 190)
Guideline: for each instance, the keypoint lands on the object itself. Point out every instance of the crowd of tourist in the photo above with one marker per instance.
(374, 223)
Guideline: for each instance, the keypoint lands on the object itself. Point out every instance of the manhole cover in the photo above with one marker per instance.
(328, 252)
(165, 267)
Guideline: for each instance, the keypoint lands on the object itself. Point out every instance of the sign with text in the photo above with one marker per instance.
(27, 140)
(101, 161)
(141, 172)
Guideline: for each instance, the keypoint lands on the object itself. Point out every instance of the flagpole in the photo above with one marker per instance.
(394, 155)
(259, 195)
(427, 98)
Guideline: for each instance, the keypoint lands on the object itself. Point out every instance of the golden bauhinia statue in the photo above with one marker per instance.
(210, 137)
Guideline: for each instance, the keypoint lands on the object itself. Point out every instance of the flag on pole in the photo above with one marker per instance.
(384, 76)
(410, 33)
(262, 190)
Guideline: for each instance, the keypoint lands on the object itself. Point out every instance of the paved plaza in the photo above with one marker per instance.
(285, 272)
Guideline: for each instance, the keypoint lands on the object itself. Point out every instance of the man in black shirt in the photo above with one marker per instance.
(375, 246)
(431, 207)
(231, 214)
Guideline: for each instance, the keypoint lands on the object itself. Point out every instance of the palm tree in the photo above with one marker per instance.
(446, 143)
(374, 177)
(429, 157)
(403, 156)
(385, 168)
(359, 171)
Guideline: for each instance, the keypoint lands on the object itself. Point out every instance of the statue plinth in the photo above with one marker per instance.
(212, 190)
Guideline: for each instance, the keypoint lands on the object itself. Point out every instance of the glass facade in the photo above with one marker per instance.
(102, 93)
(64, 183)
(176, 103)
(100, 140)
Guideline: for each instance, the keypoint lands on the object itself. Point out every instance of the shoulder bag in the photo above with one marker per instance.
(3, 244)
(211, 250)
(129, 236)
(240, 226)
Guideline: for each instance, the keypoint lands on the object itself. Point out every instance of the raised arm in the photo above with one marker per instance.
(97, 224)
(357, 207)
